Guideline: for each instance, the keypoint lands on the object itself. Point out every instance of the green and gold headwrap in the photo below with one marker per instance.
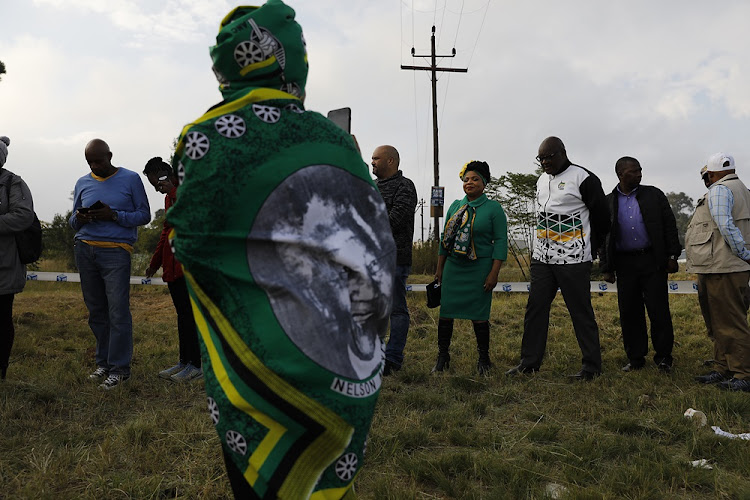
(260, 47)
(480, 167)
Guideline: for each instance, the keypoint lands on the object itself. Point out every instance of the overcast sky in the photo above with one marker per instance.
(667, 82)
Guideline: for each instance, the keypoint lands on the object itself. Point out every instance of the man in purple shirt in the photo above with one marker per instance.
(640, 250)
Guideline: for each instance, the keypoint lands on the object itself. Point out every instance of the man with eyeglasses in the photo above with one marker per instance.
(572, 221)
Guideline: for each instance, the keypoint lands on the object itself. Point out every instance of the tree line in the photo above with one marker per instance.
(516, 192)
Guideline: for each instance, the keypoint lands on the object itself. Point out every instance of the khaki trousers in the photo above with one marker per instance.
(724, 309)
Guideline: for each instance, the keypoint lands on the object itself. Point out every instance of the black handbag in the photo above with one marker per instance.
(29, 242)
(433, 294)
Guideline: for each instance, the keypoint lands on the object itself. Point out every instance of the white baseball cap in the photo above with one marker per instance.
(720, 162)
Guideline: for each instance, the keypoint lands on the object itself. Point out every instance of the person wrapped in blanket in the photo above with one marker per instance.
(289, 259)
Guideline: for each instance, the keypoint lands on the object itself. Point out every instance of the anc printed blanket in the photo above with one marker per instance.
(289, 258)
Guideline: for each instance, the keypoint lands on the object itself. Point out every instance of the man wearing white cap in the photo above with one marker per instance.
(718, 250)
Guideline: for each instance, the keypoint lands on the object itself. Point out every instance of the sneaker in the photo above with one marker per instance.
(165, 374)
(710, 378)
(735, 384)
(99, 373)
(113, 381)
(190, 372)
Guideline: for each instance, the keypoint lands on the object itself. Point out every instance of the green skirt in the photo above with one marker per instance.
(463, 294)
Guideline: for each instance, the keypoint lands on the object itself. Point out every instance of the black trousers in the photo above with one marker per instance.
(7, 331)
(574, 281)
(640, 284)
(187, 333)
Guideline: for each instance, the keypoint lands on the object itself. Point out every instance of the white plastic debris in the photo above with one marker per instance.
(719, 432)
(702, 464)
(555, 491)
(697, 416)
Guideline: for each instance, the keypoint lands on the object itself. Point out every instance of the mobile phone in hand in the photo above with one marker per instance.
(85, 210)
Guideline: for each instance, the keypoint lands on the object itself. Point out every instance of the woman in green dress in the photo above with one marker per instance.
(472, 250)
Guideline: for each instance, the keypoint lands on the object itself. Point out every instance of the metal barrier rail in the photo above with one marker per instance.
(76, 278)
(681, 287)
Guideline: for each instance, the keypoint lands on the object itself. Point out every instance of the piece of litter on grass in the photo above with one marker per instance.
(555, 491)
(697, 416)
(719, 432)
(702, 464)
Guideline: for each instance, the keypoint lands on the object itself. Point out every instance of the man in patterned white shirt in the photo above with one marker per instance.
(572, 221)
(717, 241)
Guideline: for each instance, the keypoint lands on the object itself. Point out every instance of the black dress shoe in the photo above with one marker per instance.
(664, 367)
(630, 367)
(520, 369)
(711, 378)
(483, 366)
(390, 368)
(585, 375)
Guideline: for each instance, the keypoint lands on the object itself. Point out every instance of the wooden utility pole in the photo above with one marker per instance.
(420, 206)
(436, 212)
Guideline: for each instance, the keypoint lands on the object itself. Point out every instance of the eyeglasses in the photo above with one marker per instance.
(541, 158)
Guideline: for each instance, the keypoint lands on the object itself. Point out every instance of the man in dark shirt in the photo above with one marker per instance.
(639, 251)
(401, 201)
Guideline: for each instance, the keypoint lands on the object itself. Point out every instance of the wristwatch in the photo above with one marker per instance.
(114, 216)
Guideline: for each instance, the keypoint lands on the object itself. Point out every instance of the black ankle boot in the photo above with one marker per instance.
(443, 362)
(482, 333)
(445, 332)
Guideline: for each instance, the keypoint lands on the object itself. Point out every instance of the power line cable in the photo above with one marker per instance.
(447, 84)
(467, 13)
(442, 22)
(412, 23)
(458, 28)
(484, 18)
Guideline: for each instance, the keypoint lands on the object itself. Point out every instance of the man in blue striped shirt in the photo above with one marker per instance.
(717, 242)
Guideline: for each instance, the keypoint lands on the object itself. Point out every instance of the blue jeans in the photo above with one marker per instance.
(105, 283)
(394, 350)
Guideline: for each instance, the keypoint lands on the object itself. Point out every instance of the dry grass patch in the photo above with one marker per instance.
(453, 435)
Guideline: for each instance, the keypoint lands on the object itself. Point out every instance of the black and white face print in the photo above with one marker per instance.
(321, 248)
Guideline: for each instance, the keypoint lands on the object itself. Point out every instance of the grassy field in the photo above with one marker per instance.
(455, 435)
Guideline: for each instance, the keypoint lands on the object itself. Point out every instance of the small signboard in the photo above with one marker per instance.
(437, 200)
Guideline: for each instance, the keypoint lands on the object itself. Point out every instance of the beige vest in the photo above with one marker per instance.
(707, 252)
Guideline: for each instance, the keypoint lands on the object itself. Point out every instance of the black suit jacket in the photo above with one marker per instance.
(660, 226)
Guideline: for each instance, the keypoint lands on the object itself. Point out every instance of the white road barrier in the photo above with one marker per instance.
(508, 287)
